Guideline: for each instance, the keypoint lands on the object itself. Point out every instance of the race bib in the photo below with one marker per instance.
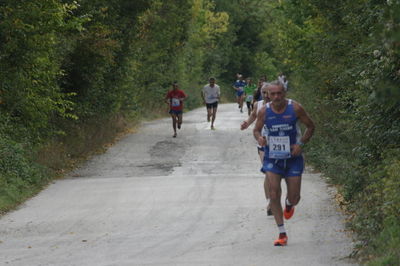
(279, 147)
(249, 98)
(175, 102)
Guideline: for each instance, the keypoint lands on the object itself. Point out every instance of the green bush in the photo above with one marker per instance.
(385, 248)
(19, 175)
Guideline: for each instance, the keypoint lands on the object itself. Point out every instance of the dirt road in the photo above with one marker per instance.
(155, 200)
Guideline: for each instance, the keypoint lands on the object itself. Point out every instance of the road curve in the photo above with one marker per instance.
(155, 200)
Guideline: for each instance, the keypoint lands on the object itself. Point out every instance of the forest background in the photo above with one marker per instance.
(75, 74)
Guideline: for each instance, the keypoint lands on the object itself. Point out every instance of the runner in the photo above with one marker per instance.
(238, 86)
(174, 99)
(257, 96)
(248, 94)
(264, 79)
(211, 95)
(282, 79)
(261, 82)
(260, 149)
(283, 151)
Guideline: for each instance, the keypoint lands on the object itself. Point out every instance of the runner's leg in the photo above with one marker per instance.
(180, 116)
(173, 116)
(293, 184)
(266, 183)
(214, 113)
(241, 103)
(209, 114)
(275, 196)
(248, 107)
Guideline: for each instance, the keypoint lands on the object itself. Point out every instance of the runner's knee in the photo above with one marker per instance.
(274, 194)
(294, 200)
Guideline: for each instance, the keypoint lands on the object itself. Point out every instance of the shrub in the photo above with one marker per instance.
(19, 175)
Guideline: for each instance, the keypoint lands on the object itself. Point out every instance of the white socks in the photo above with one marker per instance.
(281, 228)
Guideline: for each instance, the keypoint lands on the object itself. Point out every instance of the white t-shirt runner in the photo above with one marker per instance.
(211, 94)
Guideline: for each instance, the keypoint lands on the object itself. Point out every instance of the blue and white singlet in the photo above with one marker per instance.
(283, 131)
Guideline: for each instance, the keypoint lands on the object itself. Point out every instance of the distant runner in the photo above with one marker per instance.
(282, 79)
(260, 149)
(257, 96)
(239, 88)
(249, 89)
(283, 151)
(174, 99)
(211, 95)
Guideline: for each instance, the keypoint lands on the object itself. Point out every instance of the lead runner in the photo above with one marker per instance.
(283, 151)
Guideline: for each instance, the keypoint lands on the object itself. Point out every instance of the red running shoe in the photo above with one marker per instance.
(288, 212)
(281, 241)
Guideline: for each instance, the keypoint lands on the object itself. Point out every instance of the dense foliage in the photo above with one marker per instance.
(343, 65)
(70, 71)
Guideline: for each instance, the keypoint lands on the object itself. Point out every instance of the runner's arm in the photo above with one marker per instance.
(253, 116)
(184, 97)
(307, 121)
(235, 86)
(258, 127)
(202, 96)
(167, 99)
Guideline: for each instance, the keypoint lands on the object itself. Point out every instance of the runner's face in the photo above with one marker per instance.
(212, 82)
(264, 93)
(276, 94)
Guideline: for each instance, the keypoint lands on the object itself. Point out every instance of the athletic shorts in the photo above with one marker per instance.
(212, 105)
(260, 148)
(239, 93)
(284, 167)
(175, 112)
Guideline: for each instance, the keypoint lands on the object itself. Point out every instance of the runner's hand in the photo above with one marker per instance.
(244, 125)
(296, 150)
(262, 141)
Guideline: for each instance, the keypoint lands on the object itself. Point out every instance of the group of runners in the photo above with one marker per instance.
(247, 91)
(277, 132)
(210, 94)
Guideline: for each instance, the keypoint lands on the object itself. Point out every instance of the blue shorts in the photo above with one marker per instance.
(175, 112)
(239, 93)
(284, 167)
